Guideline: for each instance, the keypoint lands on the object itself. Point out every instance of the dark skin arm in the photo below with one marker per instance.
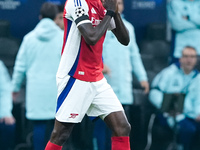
(120, 31)
(93, 34)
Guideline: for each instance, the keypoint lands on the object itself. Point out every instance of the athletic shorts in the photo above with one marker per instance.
(77, 98)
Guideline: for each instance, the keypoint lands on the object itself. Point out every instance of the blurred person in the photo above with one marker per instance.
(7, 121)
(59, 17)
(82, 88)
(116, 56)
(120, 62)
(180, 78)
(184, 18)
(37, 61)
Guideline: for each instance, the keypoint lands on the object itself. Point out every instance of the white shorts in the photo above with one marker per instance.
(77, 98)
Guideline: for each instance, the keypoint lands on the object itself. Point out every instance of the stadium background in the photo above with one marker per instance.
(150, 21)
(23, 14)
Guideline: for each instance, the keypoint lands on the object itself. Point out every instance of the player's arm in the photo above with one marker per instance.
(121, 31)
(93, 34)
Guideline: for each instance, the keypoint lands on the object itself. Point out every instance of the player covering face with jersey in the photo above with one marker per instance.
(82, 88)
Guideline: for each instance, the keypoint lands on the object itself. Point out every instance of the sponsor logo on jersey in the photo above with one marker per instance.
(95, 22)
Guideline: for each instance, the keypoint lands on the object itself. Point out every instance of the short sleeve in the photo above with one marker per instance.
(77, 10)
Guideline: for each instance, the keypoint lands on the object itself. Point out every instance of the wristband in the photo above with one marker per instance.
(110, 13)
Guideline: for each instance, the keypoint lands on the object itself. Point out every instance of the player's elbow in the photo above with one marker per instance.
(91, 39)
(89, 34)
(125, 41)
(122, 37)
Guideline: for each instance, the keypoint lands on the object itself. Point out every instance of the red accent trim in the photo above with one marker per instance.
(120, 143)
(65, 28)
(52, 146)
(65, 35)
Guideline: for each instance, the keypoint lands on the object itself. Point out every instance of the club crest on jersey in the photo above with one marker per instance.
(73, 115)
(79, 11)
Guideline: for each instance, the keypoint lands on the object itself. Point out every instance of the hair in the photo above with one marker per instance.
(190, 47)
(60, 8)
(49, 10)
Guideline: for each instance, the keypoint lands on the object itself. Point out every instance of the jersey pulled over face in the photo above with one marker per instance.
(80, 60)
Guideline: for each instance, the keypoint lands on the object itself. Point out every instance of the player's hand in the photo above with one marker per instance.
(110, 5)
(117, 8)
(14, 96)
(145, 85)
(185, 17)
(8, 120)
(198, 118)
(106, 70)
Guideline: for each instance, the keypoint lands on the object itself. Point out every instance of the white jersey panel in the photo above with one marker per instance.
(70, 51)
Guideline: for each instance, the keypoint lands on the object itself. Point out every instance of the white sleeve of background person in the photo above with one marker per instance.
(20, 67)
(5, 92)
(197, 96)
(136, 61)
(75, 9)
(158, 87)
(192, 99)
(194, 16)
(175, 15)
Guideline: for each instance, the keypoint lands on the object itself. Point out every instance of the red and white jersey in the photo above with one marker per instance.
(80, 60)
